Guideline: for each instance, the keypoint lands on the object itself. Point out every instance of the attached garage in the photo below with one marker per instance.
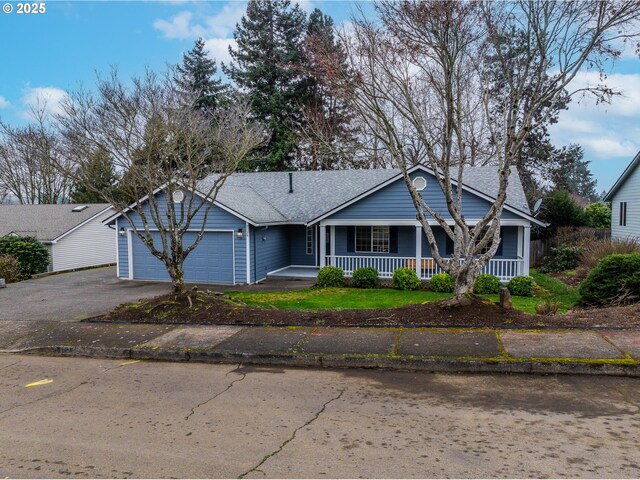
(212, 261)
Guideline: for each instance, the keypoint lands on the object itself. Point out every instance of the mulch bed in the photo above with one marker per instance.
(215, 309)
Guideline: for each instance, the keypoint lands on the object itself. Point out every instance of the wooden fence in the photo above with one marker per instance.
(569, 236)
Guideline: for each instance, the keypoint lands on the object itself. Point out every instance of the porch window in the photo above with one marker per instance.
(372, 239)
(309, 241)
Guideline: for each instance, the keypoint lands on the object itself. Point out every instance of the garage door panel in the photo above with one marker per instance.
(210, 262)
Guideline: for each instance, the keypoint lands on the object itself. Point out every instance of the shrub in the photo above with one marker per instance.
(9, 268)
(365, 277)
(549, 308)
(616, 279)
(558, 209)
(522, 286)
(330, 277)
(596, 250)
(406, 279)
(598, 215)
(486, 284)
(32, 255)
(442, 282)
(562, 258)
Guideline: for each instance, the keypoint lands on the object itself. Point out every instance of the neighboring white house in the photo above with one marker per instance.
(625, 203)
(74, 234)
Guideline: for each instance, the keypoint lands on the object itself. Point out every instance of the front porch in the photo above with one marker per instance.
(347, 244)
(295, 272)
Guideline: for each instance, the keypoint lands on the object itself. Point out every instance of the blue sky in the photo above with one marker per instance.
(44, 55)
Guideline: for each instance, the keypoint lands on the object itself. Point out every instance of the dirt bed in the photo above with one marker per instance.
(214, 309)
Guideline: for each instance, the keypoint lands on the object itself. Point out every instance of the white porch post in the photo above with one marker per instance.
(419, 251)
(323, 244)
(520, 250)
(526, 250)
(332, 240)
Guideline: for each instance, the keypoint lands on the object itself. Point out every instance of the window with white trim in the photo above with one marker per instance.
(309, 240)
(623, 214)
(372, 239)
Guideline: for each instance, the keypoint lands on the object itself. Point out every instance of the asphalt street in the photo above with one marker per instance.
(66, 417)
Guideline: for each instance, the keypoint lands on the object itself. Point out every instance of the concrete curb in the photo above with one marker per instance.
(424, 364)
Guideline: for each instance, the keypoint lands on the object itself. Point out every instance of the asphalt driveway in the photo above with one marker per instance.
(72, 296)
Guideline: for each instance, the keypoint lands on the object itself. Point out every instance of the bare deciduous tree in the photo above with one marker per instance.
(159, 144)
(29, 159)
(435, 77)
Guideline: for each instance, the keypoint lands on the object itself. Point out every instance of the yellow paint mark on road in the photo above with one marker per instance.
(39, 382)
(130, 362)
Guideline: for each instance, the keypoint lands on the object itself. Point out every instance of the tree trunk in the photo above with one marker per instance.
(177, 279)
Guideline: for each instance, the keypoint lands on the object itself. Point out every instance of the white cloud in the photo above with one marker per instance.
(218, 49)
(223, 23)
(48, 99)
(4, 103)
(179, 27)
(220, 25)
(609, 147)
(306, 5)
(626, 104)
(608, 132)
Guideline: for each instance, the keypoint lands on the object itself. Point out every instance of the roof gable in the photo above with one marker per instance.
(482, 182)
(623, 178)
(45, 222)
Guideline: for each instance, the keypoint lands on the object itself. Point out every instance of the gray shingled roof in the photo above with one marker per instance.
(263, 197)
(45, 222)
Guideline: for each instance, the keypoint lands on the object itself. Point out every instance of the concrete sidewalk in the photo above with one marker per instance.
(615, 352)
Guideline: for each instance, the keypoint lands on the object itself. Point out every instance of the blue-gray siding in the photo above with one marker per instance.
(394, 202)
(298, 245)
(218, 219)
(270, 250)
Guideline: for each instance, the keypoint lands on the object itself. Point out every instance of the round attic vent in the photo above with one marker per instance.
(420, 183)
(178, 196)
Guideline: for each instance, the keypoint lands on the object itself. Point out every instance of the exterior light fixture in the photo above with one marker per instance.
(121, 231)
(239, 234)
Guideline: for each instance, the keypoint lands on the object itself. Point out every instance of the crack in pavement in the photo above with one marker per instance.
(293, 436)
(10, 365)
(46, 397)
(235, 370)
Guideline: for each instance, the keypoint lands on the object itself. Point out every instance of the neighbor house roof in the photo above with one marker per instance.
(263, 197)
(623, 178)
(45, 222)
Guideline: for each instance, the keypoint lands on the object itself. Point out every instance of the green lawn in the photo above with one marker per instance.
(342, 298)
(337, 298)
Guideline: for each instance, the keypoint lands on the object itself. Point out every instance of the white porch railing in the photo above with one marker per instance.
(504, 269)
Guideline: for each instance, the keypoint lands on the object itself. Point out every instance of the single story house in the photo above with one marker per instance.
(625, 203)
(292, 223)
(74, 234)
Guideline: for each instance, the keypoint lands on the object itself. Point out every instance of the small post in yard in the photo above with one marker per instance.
(505, 298)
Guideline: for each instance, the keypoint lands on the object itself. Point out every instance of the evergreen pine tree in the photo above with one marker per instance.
(99, 172)
(328, 136)
(197, 76)
(267, 66)
(573, 175)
